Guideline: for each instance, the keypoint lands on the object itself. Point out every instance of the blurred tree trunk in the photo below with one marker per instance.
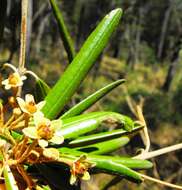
(138, 35)
(14, 19)
(164, 30)
(170, 75)
(173, 66)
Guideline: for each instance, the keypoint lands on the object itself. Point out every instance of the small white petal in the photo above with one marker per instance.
(23, 77)
(56, 124)
(51, 153)
(22, 104)
(86, 176)
(38, 117)
(30, 132)
(7, 87)
(72, 179)
(43, 143)
(57, 140)
(29, 98)
(40, 105)
(5, 82)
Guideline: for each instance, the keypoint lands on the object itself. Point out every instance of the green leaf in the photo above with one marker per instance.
(74, 127)
(67, 41)
(82, 63)
(3, 7)
(110, 166)
(41, 90)
(79, 125)
(90, 100)
(128, 162)
(106, 146)
(102, 136)
(9, 179)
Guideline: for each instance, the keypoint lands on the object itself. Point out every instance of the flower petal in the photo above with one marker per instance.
(57, 139)
(30, 132)
(73, 179)
(86, 176)
(56, 124)
(29, 98)
(7, 87)
(21, 103)
(5, 82)
(43, 143)
(23, 77)
(51, 153)
(38, 117)
(40, 105)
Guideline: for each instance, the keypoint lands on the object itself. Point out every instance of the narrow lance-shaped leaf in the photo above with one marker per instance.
(128, 162)
(9, 179)
(75, 126)
(67, 41)
(89, 139)
(41, 90)
(106, 146)
(77, 70)
(79, 125)
(110, 166)
(90, 100)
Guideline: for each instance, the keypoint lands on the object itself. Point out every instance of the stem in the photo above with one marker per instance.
(145, 135)
(9, 121)
(148, 155)
(21, 148)
(160, 182)
(24, 12)
(19, 119)
(25, 176)
(27, 151)
(23, 39)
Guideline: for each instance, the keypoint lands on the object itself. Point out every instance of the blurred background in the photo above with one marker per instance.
(145, 50)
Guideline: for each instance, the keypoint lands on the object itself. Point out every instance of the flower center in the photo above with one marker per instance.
(13, 79)
(31, 107)
(79, 168)
(44, 131)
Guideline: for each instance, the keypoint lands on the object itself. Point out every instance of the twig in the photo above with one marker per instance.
(137, 111)
(24, 13)
(160, 182)
(159, 152)
(145, 135)
(23, 39)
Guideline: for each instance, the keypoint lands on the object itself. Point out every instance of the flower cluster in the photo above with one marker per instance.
(33, 133)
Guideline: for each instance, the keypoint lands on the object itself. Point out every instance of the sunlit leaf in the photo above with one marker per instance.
(90, 100)
(61, 93)
(79, 125)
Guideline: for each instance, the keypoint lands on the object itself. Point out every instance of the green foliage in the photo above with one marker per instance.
(90, 100)
(78, 143)
(68, 44)
(77, 70)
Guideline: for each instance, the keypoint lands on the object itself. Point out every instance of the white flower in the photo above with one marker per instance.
(28, 105)
(14, 80)
(45, 130)
(79, 169)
